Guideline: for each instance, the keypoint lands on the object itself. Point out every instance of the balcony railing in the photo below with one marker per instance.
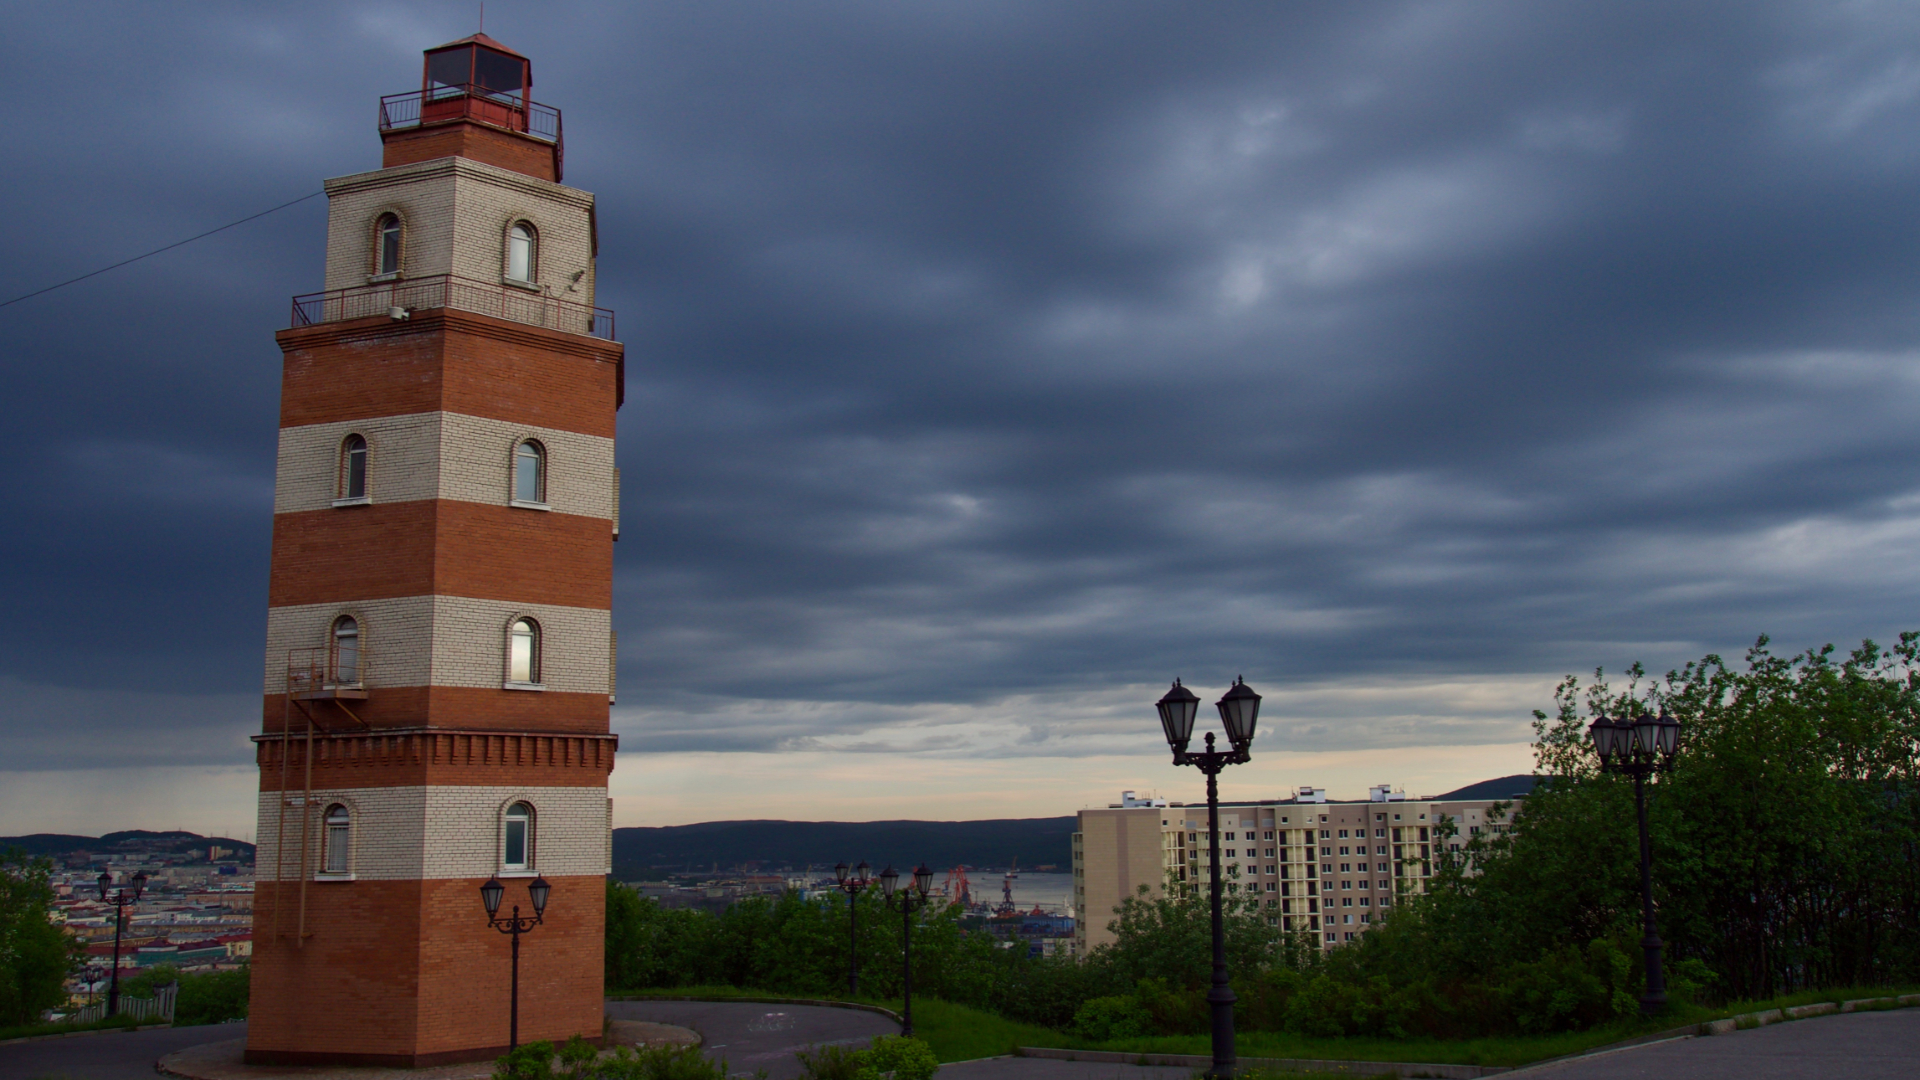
(444, 103)
(400, 298)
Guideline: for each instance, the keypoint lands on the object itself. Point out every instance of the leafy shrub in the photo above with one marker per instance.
(1105, 1018)
(888, 1057)
(898, 1057)
(581, 1060)
(834, 1061)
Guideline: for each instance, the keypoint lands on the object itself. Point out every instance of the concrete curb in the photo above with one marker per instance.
(90, 1031)
(860, 1005)
(1324, 1065)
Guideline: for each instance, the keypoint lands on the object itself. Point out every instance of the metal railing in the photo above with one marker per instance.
(443, 103)
(326, 671)
(395, 298)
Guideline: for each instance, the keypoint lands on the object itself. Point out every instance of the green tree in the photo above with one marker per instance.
(36, 956)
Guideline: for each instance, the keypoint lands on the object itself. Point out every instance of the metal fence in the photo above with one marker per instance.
(157, 1008)
(398, 298)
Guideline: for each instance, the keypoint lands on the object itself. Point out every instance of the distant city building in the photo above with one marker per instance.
(1319, 866)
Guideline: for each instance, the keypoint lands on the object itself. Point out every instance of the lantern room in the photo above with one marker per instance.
(477, 76)
(475, 96)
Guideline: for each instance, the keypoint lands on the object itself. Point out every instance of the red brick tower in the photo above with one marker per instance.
(439, 639)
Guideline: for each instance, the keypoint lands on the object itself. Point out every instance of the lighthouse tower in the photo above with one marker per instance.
(439, 644)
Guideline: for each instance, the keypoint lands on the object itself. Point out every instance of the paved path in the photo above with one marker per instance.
(752, 1037)
(111, 1055)
(1852, 1046)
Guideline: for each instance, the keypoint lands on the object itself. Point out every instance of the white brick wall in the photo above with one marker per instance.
(448, 641)
(440, 455)
(411, 833)
(455, 214)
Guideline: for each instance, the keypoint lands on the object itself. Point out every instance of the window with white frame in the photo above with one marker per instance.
(338, 843)
(516, 849)
(346, 651)
(530, 473)
(523, 651)
(387, 246)
(521, 252)
(353, 467)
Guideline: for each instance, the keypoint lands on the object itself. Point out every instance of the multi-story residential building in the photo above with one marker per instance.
(1319, 866)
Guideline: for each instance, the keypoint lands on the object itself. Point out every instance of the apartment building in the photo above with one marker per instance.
(1319, 866)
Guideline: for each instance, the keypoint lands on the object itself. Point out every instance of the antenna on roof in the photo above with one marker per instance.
(483, 16)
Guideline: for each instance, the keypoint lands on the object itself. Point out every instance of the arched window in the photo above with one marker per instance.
(523, 651)
(389, 245)
(353, 468)
(346, 651)
(339, 840)
(530, 472)
(520, 252)
(517, 850)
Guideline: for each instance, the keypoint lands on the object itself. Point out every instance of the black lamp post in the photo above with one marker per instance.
(851, 884)
(515, 925)
(1239, 709)
(1640, 748)
(910, 901)
(120, 901)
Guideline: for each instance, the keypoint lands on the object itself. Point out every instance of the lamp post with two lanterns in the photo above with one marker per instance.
(851, 884)
(1239, 709)
(514, 925)
(1640, 748)
(910, 901)
(120, 901)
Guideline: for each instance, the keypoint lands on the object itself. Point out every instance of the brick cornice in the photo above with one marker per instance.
(413, 756)
(452, 320)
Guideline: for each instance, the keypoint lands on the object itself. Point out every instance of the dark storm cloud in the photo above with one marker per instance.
(983, 358)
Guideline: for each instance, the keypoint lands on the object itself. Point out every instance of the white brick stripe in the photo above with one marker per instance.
(443, 831)
(448, 641)
(455, 213)
(442, 455)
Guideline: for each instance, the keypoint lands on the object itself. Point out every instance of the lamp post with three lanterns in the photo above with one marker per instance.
(514, 925)
(1239, 709)
(1641, 748)
(910, 901)
(120, 901)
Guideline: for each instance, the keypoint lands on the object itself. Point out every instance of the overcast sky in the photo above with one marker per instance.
(991, 364)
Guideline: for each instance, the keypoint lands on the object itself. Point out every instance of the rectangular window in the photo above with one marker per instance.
(337, 833)
(1229, 836)
(516, 842)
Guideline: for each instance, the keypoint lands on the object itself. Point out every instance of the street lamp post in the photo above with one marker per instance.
(1640, 748)
(913, 899)
(120, 901)
(514, 925)
(851, 884)
(1239, 709)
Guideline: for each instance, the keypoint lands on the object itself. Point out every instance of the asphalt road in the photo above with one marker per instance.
(751, 1037)
(1850, 1046)
(1854, 1046)
(110, 1055)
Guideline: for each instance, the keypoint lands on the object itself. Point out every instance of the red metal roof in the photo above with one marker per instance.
(479, 39)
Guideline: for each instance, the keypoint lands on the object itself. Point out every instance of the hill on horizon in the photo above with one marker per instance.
(37, 844)
(799, 844)
(1506, 787)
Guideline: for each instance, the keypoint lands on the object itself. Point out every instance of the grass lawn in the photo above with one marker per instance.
(959, 1033)
(23, 1031)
